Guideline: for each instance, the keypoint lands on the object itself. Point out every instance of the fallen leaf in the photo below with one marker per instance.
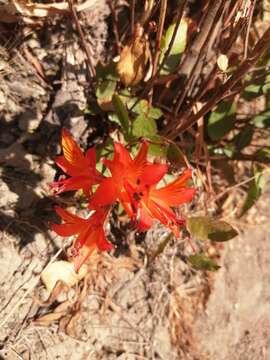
(62, 271)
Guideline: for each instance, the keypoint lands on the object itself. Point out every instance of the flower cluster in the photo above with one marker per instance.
(132, 181)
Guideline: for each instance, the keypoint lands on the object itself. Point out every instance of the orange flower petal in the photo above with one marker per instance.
(67, 229)
(141, 158)
(153, 173)
(66, 215)
(73, 183)
(105, 194)
(72, 151)
(175, 193)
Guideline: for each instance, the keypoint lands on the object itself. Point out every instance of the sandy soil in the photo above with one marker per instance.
(236, 323)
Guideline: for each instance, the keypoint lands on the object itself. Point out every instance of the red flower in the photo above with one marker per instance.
(150, 203)
(124, 170)
(90, 233)
(81, 168)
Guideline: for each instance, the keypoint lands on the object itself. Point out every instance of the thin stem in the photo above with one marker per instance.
(115, 26)
(223, 90)
(162, 16)
(132, 17)
(85, 45)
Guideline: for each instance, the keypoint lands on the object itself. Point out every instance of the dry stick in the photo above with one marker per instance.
(115, 26)
(211, 77)
(150, 84)
(168, 51)
(161, 22)
(189, 62)
(222, 91)
(196, 71)
(248, 28)
(193, 57)
(132, 17)
(85, 46)
(148, 7)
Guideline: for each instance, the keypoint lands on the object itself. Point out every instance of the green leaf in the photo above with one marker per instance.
(177, 48)
(253, 91)
(205, 228)
(105, 89)
(155, 113)
(143, 108)
(202, 262)
(122, 114)
(144, 126)
(221, 120)
(107, 72)
(254, 191)
(244, 138)
(262, 120)
(104, 93)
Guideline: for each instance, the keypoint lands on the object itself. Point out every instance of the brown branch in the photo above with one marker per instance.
(190, 60)
(132, 17)
(261, 46)
(85, 45)
(115, 26)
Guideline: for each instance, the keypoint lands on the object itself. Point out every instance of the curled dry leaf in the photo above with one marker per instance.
(134, 57)
(26, 9)
(63, 271)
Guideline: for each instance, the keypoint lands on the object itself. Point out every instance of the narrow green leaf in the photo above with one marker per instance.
(161, 248)
(122, 113)
(254, 191)
(205, 228)
(202, 262)
(221, 120)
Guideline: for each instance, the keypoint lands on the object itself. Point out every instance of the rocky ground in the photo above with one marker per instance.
(125, 308)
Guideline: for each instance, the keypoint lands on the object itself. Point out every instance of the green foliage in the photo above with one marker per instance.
(205, 228)
(144, 126)
(122, 113)
(107, 72)
(254, 191)
(221, 120)
(104, 94)
(203, 262)
(177, 48)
